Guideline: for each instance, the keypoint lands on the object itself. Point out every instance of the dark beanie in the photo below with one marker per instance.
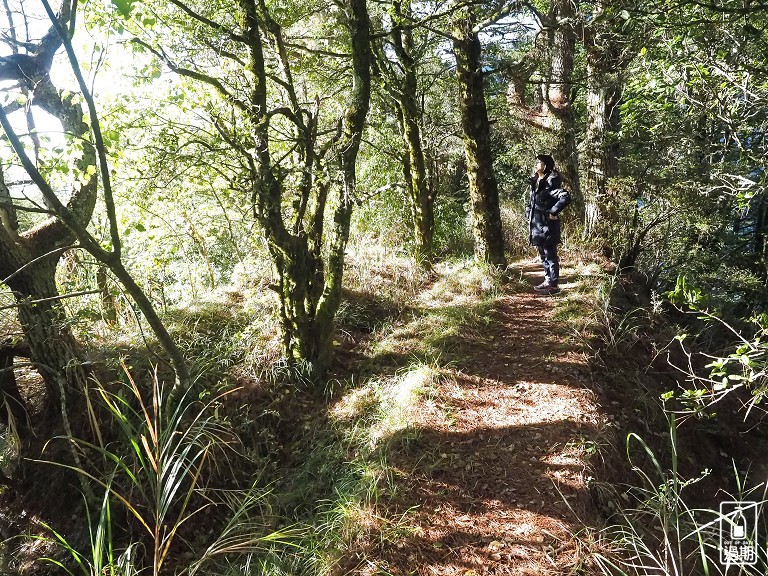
(549, 162)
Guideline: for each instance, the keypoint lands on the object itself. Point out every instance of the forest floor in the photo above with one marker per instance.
(470, 427)
(494, 476)
(461, 429)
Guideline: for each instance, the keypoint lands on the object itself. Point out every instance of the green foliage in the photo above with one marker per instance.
(692, 121)
(661, 532)
(460, 303)
(742, 365)
(385, 218)
(156, 473)
(683, 294)
(123, 7)
(452, 232)
(688, 197)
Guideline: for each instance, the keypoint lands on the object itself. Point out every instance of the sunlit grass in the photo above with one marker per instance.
(656, 531)
(461, 282)
(436, 334)
(387, 273)
(156, 471)
(456, 307)
(340, 490)
(400, 400)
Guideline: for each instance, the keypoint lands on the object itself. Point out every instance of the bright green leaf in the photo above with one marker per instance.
(123, 6)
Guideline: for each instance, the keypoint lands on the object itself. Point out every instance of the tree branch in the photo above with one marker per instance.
(63, 213)
(51, 299)
(208, 22)
(195, 75)
(106, 180)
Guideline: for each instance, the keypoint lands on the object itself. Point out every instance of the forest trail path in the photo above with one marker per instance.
(495, 480)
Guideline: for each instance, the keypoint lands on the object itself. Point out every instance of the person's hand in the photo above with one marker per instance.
(552, 217)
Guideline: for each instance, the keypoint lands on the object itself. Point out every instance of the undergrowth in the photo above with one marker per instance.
(285, 479)
(666, 519)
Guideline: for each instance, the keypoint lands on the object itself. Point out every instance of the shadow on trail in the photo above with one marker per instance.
(494, 478)
(509, 486)
(485, 468)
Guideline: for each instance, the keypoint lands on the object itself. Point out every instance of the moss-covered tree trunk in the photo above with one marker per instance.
(483, 187)
(421, 196)
(608, 52)
(28, 258)
(300, 284)
(53, 349)
(600, 151)
(308, 288)
(422, 199)
(559, 99)
(108, 305)
(12, 404)
(353, 126)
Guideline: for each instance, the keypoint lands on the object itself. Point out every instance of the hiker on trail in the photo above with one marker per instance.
(548, 198)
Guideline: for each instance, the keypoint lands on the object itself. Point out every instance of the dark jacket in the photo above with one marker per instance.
(547, 197)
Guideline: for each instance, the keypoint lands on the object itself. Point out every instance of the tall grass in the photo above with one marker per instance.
(660, 533)
(156, 471)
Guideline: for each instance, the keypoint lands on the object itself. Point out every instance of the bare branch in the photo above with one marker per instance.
(51, 299)
(55, 252)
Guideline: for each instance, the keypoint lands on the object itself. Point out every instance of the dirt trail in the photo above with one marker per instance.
(498, 470)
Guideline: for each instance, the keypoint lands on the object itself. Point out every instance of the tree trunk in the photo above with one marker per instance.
(300, 283)
(28, 257)
(603, 95)
(421, 196)
(108, 306)
(353, 126)
(559, 100)
(483, 187)
(53, 349)
(608, 53)
(309, 290)
(12, 404)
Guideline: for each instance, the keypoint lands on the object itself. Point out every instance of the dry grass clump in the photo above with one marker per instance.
(384, 272)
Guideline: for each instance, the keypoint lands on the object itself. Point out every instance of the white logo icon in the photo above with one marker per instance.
(738, 533)
(739, 527)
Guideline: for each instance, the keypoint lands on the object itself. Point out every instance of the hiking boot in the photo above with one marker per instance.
(547, 287)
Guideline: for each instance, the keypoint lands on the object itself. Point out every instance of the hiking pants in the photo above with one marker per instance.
(548, 255)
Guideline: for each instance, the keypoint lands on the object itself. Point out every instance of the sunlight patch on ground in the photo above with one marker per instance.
(566, 470)
(393, 404)
(439, 333)
(586, 269)
(376, 269)
(355, 403)
(400, 402)
(460, 284)
(528, 403)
